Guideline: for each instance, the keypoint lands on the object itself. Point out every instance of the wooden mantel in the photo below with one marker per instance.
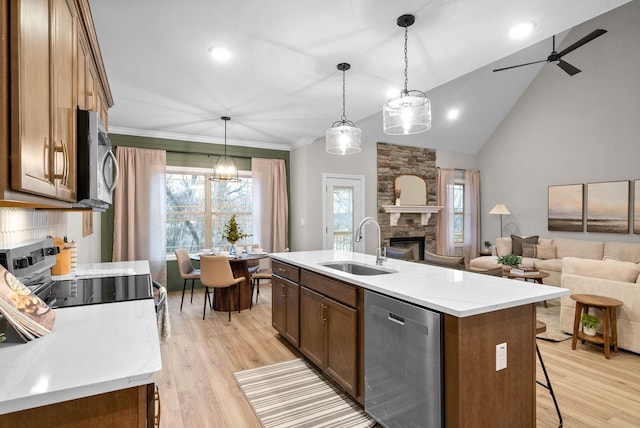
(396, 210)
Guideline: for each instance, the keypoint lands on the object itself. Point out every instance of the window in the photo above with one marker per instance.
(197, 208)
(458, 214)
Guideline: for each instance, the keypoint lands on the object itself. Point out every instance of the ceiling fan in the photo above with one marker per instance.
(557, 56)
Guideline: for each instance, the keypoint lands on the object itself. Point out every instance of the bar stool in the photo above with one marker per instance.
(541, 328)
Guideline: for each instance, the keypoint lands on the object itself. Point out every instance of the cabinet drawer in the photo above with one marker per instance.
(339, 291)
(286, 271)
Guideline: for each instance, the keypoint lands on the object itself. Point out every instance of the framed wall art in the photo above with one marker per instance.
(566, 208)
(636, 206)
(608, 207)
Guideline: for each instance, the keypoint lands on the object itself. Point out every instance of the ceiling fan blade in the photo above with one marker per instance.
(570, 69)
(519, 65)
(582, 41)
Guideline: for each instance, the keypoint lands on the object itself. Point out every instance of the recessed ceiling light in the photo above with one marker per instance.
(453, 114)
(219, 53)
(521, 30)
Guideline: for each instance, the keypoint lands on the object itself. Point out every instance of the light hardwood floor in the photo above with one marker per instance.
(197, 386)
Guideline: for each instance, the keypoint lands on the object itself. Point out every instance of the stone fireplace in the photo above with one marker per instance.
(394, 160)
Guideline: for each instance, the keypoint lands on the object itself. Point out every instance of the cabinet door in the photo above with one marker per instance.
(31, 159)
(312, 319)
(64, 84)
(279, 304)
(81, 73)
(293, 313)
(342, 344)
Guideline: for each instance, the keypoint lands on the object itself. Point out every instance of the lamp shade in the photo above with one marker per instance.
(225, 168)
(343, 140)
(409, 113)
(500, 209)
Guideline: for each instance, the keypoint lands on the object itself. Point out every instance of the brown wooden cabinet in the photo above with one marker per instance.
(285, 301)
(329, 328)
(125, 408)
(43, 98)
(286, 308)
(50, 63)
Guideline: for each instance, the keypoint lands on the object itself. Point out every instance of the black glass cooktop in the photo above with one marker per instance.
(91, 291)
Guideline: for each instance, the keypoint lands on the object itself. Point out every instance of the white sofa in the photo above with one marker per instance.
(555, 250)
(610, 278)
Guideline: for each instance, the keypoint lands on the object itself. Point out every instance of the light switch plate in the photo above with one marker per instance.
(501, 356)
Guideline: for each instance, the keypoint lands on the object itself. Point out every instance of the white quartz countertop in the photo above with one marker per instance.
(91, 350)
(454, 292)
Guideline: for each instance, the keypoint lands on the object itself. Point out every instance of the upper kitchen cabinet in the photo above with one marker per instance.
(55, 67)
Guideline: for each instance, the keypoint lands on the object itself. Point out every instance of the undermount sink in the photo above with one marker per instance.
(358, 268)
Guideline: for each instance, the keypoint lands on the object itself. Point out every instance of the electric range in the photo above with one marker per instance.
(31, 264)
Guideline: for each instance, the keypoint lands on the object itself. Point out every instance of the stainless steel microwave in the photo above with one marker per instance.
(97, 166)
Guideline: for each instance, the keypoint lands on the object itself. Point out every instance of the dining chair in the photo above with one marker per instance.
(255, 282)
(215, 272)
(186, 270)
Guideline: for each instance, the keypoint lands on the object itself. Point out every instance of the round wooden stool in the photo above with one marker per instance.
(608, 307)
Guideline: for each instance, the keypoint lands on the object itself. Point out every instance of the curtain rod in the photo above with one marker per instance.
(205, 154)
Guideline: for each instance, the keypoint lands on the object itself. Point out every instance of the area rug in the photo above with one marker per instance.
(294, 394)
(551, 317)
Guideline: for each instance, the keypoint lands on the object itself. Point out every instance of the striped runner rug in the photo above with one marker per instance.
(294, 394)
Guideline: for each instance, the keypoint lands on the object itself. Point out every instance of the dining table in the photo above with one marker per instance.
(240, 268)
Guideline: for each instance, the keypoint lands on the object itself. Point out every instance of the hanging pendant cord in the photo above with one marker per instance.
(406, 58)
(344, 114)
(225, 138)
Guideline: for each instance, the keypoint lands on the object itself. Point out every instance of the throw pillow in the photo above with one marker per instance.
(615, 259)
(517, 241)
(546, 252)
(529, 250)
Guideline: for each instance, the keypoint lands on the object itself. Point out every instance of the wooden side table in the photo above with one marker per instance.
(608, 307)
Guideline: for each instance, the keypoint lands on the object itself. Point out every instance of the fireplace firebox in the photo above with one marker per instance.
(416, 243)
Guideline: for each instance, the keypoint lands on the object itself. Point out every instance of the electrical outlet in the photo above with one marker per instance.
(501, 356)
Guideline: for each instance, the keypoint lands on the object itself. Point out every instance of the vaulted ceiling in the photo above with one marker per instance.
(281, 87)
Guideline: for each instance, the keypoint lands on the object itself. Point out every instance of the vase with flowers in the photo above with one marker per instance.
(233, 233)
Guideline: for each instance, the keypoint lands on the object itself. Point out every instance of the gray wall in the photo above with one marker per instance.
(568, 130)
(308, 163)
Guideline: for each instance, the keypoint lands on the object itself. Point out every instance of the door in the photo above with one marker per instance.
(343, 203)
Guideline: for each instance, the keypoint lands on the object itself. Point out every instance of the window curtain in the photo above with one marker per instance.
(139, 225)
(270, 204)
(444, 230)
(471, 215)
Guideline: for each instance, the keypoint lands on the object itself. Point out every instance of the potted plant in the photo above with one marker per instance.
(233, 233)
(510, 260)
(590, 324)
(487, 246)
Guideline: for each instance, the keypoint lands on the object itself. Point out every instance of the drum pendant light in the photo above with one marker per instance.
(225, 168)
(410, 112)
(343, 138)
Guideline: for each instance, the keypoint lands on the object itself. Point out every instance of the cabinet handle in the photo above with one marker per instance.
(284, 294)
(46, 159)
(65, 162)
(281, 270)
(322, 318)
(156, 398)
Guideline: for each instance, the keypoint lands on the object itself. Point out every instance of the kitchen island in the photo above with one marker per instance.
(99, 361)
(479, 313)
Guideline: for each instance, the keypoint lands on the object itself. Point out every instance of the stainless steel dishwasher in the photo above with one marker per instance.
(402, 363)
